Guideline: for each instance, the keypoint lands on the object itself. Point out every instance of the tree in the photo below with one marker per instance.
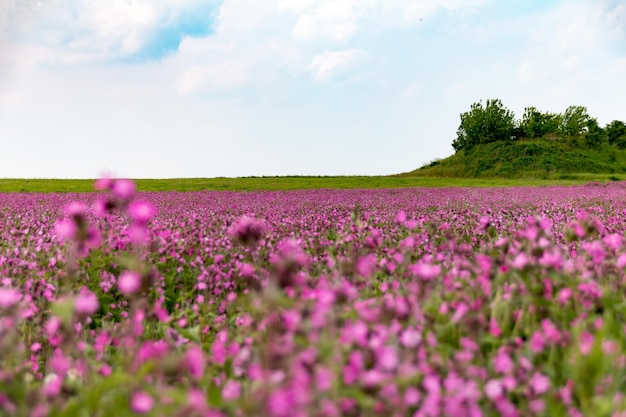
(574, 121)
(487, 124)
(595, 135)
(616, 133)
(535, 124)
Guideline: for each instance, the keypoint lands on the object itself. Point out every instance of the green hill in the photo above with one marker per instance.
(529, 158)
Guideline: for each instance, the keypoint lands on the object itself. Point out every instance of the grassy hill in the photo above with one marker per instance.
(532, 158)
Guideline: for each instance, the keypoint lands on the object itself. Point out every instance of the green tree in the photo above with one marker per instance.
(616, 133)
(574, 121)
(595, 136)
(484, 124)
(535, 124)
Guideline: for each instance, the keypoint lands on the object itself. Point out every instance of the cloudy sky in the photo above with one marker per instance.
(206, 88)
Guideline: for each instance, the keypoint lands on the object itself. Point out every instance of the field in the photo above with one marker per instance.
(298, 183)
(359, 302)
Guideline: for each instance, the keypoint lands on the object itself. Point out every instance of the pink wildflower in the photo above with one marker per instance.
(410, 338)
(86, 302)
(65, 229)
(520, 261)
(280, 403)
(564, 295)
(425, 271)
(586, 343)
(493, 389)
(539, 383)
(141, 402)
(9, 297)
(194, 361)
(52, 386)
(248, 230)
(104, 183)
(411, 396)
(123, 189)
(231, 390)
(365, 265)
(537, 342)
(502, 363)
(141, 211)
(129, 282)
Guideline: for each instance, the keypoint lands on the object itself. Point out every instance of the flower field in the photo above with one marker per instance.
(396, 302)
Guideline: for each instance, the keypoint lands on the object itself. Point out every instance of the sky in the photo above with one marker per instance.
(208, 88)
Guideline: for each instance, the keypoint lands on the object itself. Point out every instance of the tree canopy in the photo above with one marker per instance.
(493, 122)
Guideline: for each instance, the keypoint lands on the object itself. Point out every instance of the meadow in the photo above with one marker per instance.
(406, 180)
(422, 302)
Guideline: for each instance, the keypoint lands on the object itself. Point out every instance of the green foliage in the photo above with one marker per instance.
(533, 158)
(535, 124)
(574, 121)
(595, 136)
(484, 124)
(616, 133)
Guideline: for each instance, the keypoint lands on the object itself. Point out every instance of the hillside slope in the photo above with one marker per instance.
(538, 158)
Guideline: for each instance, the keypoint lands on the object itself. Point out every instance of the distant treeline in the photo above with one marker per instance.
(493, 122)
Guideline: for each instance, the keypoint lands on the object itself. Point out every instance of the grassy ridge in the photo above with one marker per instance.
(538, 158)
(294, 183)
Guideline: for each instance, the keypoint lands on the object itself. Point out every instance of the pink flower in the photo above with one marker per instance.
(75, 209)
(502, 363)
(564, 295)
(231, 390)
(141, 211)
(52, 386)
(194, 360)
(129, 282)
(539, 383)
(410, 338)
(387, 358)
(248, 230)
(280, 403)
(537, 406)
(52, 326)
(494, 329)
(520, 261)
(9, 297)
(323, 378)
(246, 270)
(537, 342)
(550, 331)
(425, 271)
(86, 302)
(586, 343)
(137, 232)
(65, 229)
(365, 265)
(104, 183)
(411, 396)
(141, 402)
(123, 189)
(493, 389)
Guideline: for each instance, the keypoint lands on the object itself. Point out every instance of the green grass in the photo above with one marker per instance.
(295, 183)
(537, 158)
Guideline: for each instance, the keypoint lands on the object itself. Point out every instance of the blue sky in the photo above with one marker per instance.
(197, 88)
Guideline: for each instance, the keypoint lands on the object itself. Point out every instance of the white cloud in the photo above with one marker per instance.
(221, 75)
(331, 64)
(336, 20)
(411, 11)
(105, 30)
